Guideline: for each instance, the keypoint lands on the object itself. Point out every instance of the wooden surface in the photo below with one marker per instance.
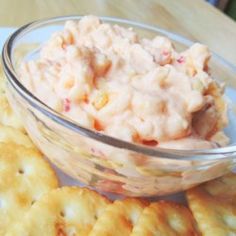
(195, 19)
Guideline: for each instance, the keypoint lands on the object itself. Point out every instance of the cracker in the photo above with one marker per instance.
(214, 206)
(165, 218)
(64, 211)
(8, 116)
(2, 82)
(9, 134)
(119, 218)
(24, 177)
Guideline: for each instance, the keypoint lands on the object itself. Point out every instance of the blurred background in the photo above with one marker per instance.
(227, 6)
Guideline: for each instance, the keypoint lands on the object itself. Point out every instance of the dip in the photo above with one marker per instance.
(106, 78)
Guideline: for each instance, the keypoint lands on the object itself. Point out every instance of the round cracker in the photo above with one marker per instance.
(119, 218)
(9, 134)
(8, 116)
(165, 218)
(64, 211)
(24, 177)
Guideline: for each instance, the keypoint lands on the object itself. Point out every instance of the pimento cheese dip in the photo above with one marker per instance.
(106, 78)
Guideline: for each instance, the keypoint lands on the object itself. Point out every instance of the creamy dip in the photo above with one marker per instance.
(107, 78)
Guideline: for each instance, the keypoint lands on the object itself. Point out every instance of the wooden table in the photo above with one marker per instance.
(195, 19)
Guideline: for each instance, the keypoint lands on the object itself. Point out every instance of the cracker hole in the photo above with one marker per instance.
(129, 222)
(62, 214)
(32, 202)
(21, 171)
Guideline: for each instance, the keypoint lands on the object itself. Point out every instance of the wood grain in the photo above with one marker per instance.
(194, 19)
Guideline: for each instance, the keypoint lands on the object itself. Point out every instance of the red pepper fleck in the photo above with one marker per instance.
(181, 60)
(150, 142)
(66, 105)
(98, 125)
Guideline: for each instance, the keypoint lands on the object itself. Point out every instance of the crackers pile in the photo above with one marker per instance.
(32, 204)
(24, 177)
(79, 211)
(24, 174)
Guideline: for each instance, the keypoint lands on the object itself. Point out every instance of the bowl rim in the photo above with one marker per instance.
(174, 154)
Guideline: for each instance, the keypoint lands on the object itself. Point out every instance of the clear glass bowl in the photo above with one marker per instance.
(103, 162)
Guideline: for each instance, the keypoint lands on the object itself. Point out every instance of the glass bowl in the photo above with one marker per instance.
(102, 162)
